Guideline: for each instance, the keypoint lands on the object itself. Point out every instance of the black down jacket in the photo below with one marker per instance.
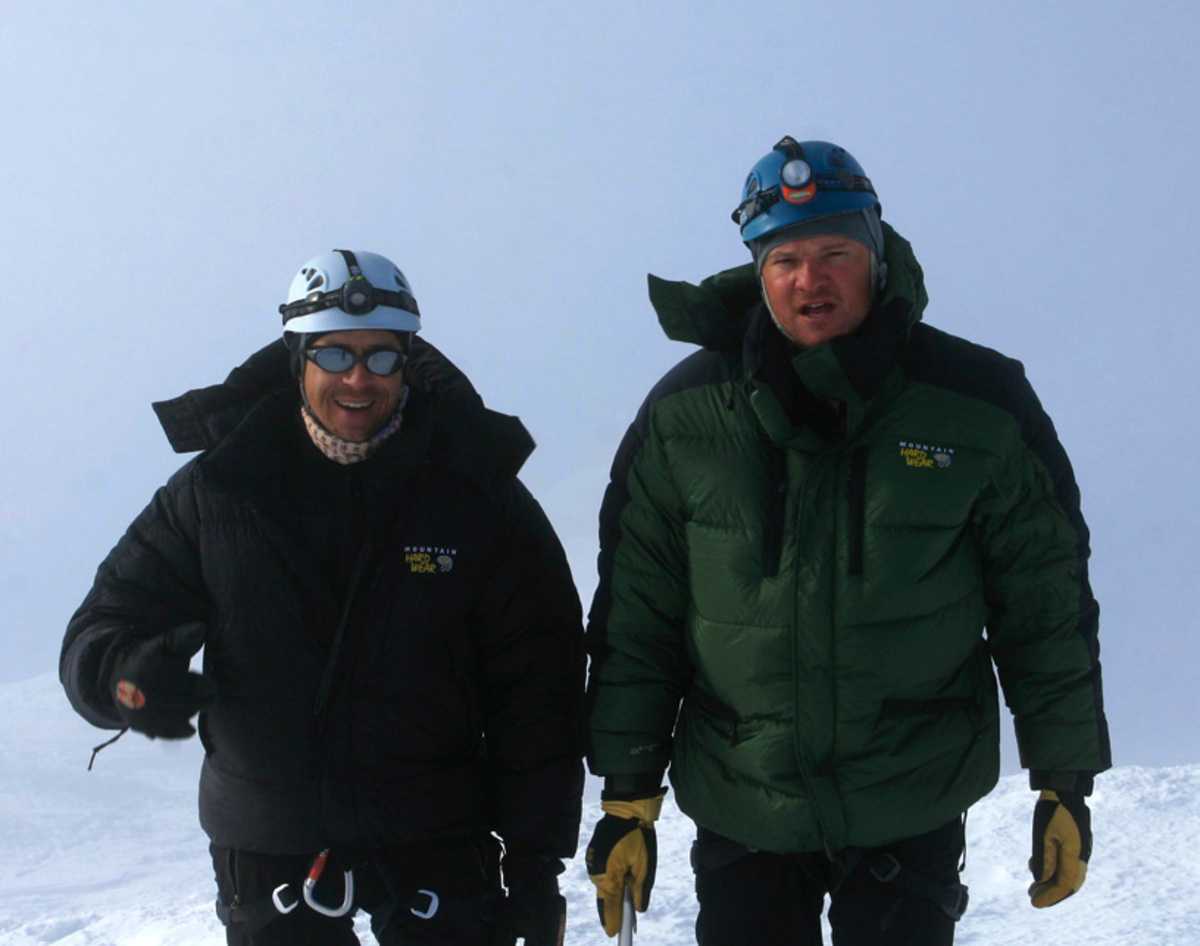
(396, 644)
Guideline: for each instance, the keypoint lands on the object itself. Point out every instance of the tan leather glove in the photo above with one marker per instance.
(623, 846)
(1062, 846)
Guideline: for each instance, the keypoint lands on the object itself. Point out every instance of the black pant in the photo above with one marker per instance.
(393, 885)
(776, 899)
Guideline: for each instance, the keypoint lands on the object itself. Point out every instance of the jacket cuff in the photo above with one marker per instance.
(631, 787)
(1079, 782)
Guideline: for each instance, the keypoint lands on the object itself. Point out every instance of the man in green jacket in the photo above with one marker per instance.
(823, 531)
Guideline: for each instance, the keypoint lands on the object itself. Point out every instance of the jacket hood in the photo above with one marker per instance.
(715, 313)
(466, 433)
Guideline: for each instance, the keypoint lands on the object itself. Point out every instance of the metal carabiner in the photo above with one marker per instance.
(310, 883)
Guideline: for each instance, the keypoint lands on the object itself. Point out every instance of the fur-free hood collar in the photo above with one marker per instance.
(714, 314)
(464, 433)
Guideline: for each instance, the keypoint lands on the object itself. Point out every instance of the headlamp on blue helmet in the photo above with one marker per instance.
(798, 182)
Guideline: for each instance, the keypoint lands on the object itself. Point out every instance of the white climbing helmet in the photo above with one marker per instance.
(344, 291)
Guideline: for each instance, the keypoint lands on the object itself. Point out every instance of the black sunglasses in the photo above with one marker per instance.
(338, 360)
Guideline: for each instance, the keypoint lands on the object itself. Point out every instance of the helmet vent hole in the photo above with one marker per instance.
(316, 279)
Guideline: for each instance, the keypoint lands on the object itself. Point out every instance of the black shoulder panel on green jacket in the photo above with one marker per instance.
(698, 369)
(946, 361)
(937, 358)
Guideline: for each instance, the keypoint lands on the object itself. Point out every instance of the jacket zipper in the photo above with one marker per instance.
(857, 497)
(804, 763)
(339, 639)
(234, 883)
(776, 506)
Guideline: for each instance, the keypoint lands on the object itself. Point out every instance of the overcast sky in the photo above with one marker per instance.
(167, 167)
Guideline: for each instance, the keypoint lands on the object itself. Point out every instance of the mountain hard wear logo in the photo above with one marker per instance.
(429, 559)
(923, 456)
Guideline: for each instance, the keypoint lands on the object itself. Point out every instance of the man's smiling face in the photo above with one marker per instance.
(818, 287)
(354, 404)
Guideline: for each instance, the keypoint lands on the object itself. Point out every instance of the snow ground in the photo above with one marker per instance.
(115, 857)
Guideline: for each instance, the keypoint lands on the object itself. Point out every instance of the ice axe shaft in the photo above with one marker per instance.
(628, 918)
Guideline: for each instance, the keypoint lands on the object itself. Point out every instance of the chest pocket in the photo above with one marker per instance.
(909, 541)
(741, 543)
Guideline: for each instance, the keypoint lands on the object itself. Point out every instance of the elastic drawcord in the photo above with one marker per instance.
(105, 745)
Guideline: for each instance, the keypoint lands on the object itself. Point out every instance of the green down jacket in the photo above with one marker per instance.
(800, 553)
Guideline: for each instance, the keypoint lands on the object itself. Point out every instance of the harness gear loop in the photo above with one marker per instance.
(951, 898)
(431, 909)
(277, 899)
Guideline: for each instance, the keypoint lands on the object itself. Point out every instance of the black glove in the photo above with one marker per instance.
(154, 692)
(1062, 846)
(534, 909)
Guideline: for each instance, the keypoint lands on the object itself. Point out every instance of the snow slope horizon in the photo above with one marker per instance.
(116, 856)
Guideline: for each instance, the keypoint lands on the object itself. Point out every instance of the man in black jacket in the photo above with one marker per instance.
(392, 669)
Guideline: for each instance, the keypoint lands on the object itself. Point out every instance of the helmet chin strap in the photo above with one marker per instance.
(879, 272)
(306, 405)
(771, 312)
(303, 362)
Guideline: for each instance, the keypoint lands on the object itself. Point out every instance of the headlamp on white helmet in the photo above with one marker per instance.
(343, 291)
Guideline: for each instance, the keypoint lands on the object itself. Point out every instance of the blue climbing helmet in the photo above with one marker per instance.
(801, 181)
